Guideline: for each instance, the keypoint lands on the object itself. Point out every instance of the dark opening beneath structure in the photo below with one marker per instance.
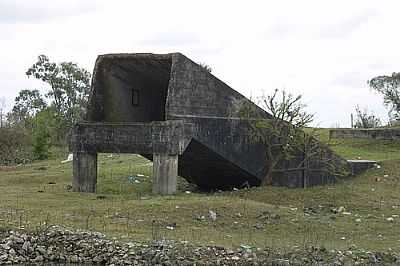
(135, 89)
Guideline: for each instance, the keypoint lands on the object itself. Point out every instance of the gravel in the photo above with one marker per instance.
(63, 246)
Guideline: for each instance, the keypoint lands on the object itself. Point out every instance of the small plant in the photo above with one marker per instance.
(206, 67)
(366, 119)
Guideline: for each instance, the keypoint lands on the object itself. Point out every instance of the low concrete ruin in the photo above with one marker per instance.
(359, 166)
(365, 133)
(174, 112)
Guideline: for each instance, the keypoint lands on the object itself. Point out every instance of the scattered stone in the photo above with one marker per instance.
(200, 217)
(310, 211)
(169, 227)
(70, 158)
(212, 215)
(245, 247)
(258, 226)
(59, 246)
(39, 258)
(26, 246)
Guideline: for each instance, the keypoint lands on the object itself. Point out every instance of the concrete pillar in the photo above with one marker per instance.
(165, 172)
(84, 172)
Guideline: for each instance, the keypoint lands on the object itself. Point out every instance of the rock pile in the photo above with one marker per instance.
(59, 245)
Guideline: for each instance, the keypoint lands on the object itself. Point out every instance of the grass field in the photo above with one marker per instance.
(369, 205)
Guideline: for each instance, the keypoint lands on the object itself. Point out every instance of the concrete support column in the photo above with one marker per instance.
(84, 172)
(165, 172)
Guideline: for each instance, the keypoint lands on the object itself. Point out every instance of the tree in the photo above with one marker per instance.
(41, 138)
(389, 87)
(365, 119)
(69, 86)
(27, 104)
(282, 134)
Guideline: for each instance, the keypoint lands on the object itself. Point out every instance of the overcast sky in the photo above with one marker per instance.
(325, 50)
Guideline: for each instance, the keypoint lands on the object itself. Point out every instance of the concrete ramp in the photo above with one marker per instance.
(166, 104)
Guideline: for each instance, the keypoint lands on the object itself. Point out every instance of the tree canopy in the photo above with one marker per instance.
(69, 86)
(27, 104)
(389, 87)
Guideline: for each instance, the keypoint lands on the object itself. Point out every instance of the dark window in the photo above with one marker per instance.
(135, 97)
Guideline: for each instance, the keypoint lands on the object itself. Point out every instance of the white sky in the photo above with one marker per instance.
(325, 50)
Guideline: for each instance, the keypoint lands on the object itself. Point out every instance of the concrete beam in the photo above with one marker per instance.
(84, 172)
(165, 173)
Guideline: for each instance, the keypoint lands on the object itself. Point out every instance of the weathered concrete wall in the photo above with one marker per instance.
(84, 172)
(193, 91)
(165, 172)
(384, 133)
(144, 138)
(202, 127)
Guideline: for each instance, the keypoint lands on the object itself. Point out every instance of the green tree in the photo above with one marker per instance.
(27, 104)
(41, 135)
(69, 86)
(389, 87)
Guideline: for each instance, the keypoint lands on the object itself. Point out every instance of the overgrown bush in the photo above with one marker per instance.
(366, 119)
(15, 146)
(41, 134)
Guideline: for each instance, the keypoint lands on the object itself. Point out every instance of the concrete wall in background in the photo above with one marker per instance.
(382, 133)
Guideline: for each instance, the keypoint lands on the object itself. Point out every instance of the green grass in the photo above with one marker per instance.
(379, 150)
(36, 194)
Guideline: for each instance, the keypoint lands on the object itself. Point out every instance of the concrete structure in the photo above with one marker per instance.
(174, 112)
(359, 166)
(372, 133)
